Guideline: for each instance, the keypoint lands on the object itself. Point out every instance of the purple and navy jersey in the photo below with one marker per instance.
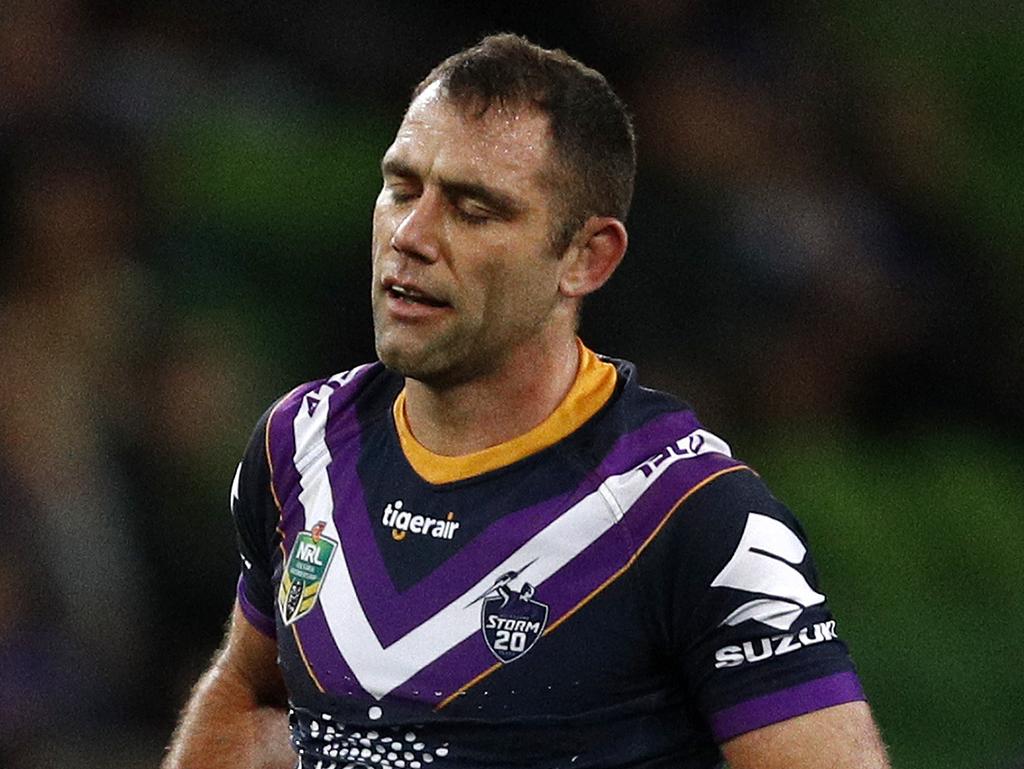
(628, 596)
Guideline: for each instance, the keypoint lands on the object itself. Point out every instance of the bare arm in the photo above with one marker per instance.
(236, 717)
(840, 737)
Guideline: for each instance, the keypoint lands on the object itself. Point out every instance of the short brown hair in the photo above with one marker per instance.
(592, 132)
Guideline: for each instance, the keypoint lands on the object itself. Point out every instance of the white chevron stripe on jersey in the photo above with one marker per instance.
(347, 376)
(380, 669)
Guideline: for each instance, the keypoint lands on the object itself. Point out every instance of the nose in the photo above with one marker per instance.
(418, 233)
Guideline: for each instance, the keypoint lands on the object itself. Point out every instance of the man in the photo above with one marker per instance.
(494, 548)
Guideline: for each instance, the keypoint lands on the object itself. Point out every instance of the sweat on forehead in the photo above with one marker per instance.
(517, 135)
(491, 115)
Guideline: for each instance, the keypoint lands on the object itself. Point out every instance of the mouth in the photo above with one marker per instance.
(410, 294)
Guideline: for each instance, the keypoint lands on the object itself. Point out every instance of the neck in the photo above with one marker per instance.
(501, 405)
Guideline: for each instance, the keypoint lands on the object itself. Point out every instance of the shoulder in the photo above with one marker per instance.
(342, 390)
(724, 506)
(332, 411)
(714, 502)
(700, 504)
(664, 471)
(352, 394)
(634, 403)
(729, 553)
(713, 489)
(638, 425)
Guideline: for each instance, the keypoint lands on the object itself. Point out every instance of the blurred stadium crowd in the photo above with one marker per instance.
(825, 260)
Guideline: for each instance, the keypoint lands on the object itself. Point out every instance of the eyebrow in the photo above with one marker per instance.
(394, 167)
(503, 204)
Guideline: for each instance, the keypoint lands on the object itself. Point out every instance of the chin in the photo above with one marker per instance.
(406, 359)
(438, 368)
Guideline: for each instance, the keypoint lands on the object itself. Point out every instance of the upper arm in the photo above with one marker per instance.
(256, 515)
(236, 714)
(840, 737)
(752, 634)
(249, 652)
(248, 660)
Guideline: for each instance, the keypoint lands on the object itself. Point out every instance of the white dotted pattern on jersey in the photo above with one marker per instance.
(346, 747)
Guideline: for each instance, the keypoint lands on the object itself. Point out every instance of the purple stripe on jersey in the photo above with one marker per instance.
(283, 476)
(330, 668)
(568, 588)
(282, 449)
(392, 615)
(585, 573)
(778, 706)
(576, 582)
(450, 672)
(611, 551)
(257, 619)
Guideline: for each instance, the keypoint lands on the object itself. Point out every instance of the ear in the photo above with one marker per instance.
(592, 256)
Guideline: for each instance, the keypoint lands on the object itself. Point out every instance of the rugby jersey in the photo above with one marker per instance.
(612, 589)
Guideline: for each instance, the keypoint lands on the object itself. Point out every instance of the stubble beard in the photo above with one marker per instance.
(444, 360)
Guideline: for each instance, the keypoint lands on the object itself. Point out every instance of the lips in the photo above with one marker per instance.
(412, 294)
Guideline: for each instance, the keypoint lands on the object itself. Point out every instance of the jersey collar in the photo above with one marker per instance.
(594, 384)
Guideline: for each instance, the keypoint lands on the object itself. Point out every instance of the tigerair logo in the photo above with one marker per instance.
(402, 522)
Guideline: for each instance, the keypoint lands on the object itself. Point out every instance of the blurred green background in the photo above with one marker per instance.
(825, 260)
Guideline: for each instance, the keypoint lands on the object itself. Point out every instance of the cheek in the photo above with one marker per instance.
(521, 294)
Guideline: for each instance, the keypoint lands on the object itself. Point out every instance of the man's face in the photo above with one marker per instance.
(463, 269)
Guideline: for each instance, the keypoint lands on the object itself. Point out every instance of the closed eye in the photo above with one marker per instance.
(402, 190)
(401, 196)
(479, 203)
(400, 180)
(472, 215)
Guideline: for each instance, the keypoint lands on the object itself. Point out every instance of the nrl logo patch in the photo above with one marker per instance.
(304, 573)
(511, 620)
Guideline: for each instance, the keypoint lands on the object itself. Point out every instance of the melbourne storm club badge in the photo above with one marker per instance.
(512, 620)
(304, 573)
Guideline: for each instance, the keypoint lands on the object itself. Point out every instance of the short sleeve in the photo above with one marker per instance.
(256, 517)
(749, 630)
